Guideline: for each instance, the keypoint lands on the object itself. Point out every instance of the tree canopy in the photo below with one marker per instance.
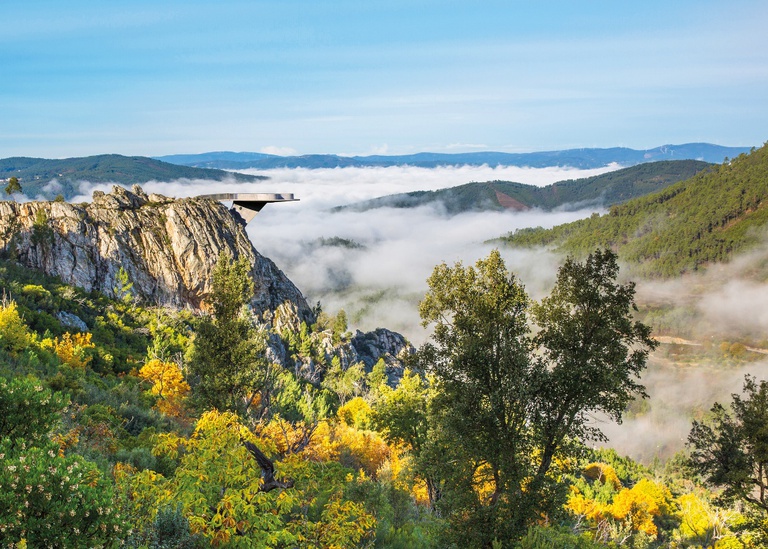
(109, 436)
(227, 364)
(730, 448)
(518, 402)
(13, 186)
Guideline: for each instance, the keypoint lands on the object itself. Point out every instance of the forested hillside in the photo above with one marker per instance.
(601, 190)
(35, 174)
(127, 425)
(705, 219)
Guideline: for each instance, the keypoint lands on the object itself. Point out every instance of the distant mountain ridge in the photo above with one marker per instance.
(35, 174)
(606, 189)
(209, 159)
(577, 158)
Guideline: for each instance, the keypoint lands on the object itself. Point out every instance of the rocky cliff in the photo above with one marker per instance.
(168, 247)
(363, 348)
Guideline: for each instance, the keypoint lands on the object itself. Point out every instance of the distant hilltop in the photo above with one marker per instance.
(46, 179)
(36, 174)
(599, 191)
(575, 158)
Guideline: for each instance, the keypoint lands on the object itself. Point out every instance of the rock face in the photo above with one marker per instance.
(365, 348)
(167, 247)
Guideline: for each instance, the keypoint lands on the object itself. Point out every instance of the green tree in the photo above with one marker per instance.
(402, 414)
(42, 233)
(593, 352)
(123, 286)
(339, 327)
(481, 360)
(516, 402)
(345, 384)
(228, 366)
(51, 500)
(730, 450)
(13, 186)
(376, 380)
(14, 334)
(28, 411)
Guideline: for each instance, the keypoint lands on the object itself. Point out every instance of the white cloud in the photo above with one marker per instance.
(380, 285)
(53, 186)
(676, 396)
(279, 151)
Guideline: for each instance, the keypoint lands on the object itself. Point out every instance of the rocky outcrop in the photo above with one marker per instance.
(362, 347)
(168, 247)
(379, 344)
(382, 344)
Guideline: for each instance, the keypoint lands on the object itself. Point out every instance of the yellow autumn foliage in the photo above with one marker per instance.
(14, 335)
(217, 482)
(355, 413)
(695, 514)
(71, 349)
(637, 506)
(603, 473)
(592, 510)
(167, 384)
(357, 448)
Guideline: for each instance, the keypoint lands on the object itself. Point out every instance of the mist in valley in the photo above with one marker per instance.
(713, 326)
(374, 265)
(381, 277)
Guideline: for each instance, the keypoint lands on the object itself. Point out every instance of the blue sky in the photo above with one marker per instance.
(149, 78)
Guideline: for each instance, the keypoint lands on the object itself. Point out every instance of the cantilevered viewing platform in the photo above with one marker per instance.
(245, 206)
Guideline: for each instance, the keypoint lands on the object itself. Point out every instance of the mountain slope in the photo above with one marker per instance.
(577, 158)
(605, 189)
(684, 227)
(35, 174)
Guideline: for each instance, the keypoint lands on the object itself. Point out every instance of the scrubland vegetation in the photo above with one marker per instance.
(121, 424)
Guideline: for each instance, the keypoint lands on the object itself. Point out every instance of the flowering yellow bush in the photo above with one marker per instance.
(358, 448)
(637, 506)
(602, 472)
(356, 413)
(167, 384)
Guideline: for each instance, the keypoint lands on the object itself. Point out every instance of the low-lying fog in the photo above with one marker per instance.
(380, 282)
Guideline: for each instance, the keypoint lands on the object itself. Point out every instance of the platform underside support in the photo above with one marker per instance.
(245, 206)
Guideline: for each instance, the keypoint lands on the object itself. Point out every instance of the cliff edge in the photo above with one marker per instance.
(168, 247)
